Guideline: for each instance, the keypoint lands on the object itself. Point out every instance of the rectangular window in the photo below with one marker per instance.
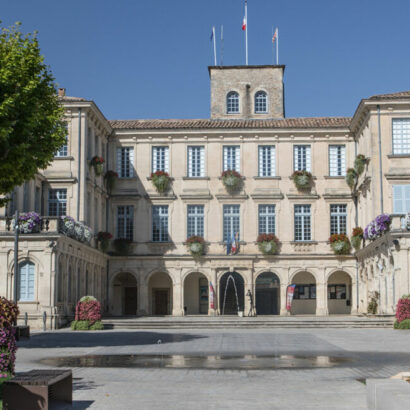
(63, 150)
(232, 158)
(305, 292)
(302, 223)
(231, 222)
(196, 161)
(125, 162)
(57, 202)
(26, 282)
(267, 161)
(401, 199)
(337, 160)
(336, 291)
(125, 222)
(266, 219)
(195, 220)
(301, 154)
(160, 223)
(401, 136)
(160, 159)
(338, 219)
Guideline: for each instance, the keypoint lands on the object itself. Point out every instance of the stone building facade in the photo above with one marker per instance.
(249, 133)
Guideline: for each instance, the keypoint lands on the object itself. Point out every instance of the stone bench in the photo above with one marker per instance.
(38, 389)
(387, 394)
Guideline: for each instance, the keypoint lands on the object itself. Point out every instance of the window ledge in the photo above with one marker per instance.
(304, 242)
(242, 177)
(398, 155)
(194, 178)
(70, 158)
(273, 177)
(28, 302)
(334, 176)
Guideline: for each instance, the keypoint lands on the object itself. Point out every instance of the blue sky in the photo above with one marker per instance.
(148, 59)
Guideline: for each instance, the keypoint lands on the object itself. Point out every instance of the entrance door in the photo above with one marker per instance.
(267, 301)
(161, 302)
(130, 307)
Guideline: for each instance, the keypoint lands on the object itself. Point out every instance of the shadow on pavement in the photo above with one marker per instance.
(85, 339)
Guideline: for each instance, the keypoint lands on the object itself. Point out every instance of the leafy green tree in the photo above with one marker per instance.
(31, 118)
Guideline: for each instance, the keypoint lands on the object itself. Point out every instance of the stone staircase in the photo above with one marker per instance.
(233, 322)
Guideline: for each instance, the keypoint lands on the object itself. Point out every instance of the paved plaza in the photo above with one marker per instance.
(363, 353)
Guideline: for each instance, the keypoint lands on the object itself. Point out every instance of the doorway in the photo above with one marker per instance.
(267, 294)
(161, 302)
(130, 301)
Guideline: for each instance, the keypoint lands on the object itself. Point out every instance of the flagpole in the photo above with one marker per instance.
(222, 45)
(246, 30)
(277, 46)
(273, 46)
(213, 31)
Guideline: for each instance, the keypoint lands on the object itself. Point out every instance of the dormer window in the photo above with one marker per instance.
(261, 102)
(232, 102)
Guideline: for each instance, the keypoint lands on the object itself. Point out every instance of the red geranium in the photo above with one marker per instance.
(195, 239)
(159, 174)
(231, 172)
(357, 232)
(267, 237)
(338, 237)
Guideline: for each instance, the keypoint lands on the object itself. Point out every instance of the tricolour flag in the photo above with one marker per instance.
(274, 36)
(211, 296)
(244, 24)
(228, 246)
(289, 296)
(234, 246)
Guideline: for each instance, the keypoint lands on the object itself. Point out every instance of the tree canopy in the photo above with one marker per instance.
(31, 118)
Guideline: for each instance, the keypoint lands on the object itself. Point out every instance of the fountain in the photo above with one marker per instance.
(238, 305)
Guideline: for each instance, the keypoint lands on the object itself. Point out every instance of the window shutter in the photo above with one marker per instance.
(225, 159)
(154, 159)
(308, 158)
(131, 161)
(166, 159)
(272, 161)
(190, 161)
(343, 159)
(398, 199)
(406, 202)
(202, 161)
(23, 282)
(30, 281)
(238, 159)
(119, 162)
(296, 158)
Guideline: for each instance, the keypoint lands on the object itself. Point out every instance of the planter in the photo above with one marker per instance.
(232, 180)
(356, 242)
(340, 244)
(29, 222)
(360, 163)
(377, 227)
(302, 179)
(196, 246)
(351, 177)
(268, 247)
(122, 246)
(103, 239)
(98, 164)
(160, 180)
(98, 169)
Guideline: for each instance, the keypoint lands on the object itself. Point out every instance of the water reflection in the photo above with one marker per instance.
(238, 362)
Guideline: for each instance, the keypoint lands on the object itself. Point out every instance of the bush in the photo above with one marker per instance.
(8, 312)
(302, 179)
(97, 326)
(373, 302)
(340, 244)
(85, 325)
(403, 309)
(405, 324)
(8, 315)
(88, 308)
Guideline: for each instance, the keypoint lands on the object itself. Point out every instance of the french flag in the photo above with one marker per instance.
(244, 24)
(234, 246)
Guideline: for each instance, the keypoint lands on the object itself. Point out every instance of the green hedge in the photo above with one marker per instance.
(85, 325)
(404, 324)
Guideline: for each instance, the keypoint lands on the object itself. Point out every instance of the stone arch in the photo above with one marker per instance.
(160, 292)
(267, 293)
(297, 271)
(124, 294)
(196, 293)
(339, 292)
(231, 302)
(304, 299)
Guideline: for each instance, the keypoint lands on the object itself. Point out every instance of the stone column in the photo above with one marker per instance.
(353, 299)
(177, 305)
(321, 299)
(283, 288)
(143, 308)
(213, 311)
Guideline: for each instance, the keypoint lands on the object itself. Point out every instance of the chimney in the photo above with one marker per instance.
(61, 92)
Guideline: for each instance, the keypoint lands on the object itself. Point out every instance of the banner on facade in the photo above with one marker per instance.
(211, 296)
(289, 296)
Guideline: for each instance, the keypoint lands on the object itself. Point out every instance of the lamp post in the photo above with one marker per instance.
(16, 251)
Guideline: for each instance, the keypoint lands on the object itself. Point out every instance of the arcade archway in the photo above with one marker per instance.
(196, 294)
(160, 293)
(231, 293)
(304, 299)
(267, 294)
(124, 295)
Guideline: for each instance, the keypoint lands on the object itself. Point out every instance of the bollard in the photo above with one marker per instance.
(25, 318)
(44, 321)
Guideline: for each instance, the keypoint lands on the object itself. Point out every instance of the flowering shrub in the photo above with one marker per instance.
(373, 302)
(76, 230)
(87, 314)
(98, 164)
(302, 179)
(357, 238)
(8, 315)
(403, 308)
(377, 227)
(268, 243)
(231, 179)
(110, 179)
(104, 240)
(195, 245)
(29, 222)
(351, 177)
(340, 244)
(160, 180)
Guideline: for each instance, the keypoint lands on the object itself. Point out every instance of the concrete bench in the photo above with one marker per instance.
(387, 394)
(38, 389)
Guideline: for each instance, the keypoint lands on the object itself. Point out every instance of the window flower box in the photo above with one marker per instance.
(302, 179)
(232, 180)
(103, 239)
(351, 177)
(377, 227)
(195, 246)
(160, 180)
(357, 238)
(29, 222)
(340, 244)
(268, 243)
(76, 230)
(98, 164)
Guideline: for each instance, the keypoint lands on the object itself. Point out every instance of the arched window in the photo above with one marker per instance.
(261, 102)
(26, 281)
(232, 102)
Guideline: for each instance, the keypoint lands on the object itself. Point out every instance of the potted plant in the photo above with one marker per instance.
(160, 180)
(98, 164)
(359, 164)
(351, 177)
(110, 179)
(67, 224)
(357, 238)
(403, 313)
(122, 246)
(268, 243)
(232, 180)
(302, 179)
(29, 222)
(340, 244)
(195, 245)
(377, 227)
(103, 239)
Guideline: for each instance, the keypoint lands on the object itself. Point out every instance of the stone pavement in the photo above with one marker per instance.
(375, 353)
